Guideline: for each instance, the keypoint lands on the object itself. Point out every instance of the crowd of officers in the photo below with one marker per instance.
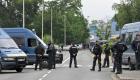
(117, 51)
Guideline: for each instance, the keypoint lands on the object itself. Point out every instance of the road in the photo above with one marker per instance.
(62, 71)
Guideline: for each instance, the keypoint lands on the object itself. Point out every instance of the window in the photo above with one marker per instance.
(123, 37)
(32, 42)
(19, 41)
(129, 38)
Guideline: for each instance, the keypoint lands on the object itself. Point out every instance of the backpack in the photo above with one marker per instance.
(95, 50)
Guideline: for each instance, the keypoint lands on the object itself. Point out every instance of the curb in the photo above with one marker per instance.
(120, 77)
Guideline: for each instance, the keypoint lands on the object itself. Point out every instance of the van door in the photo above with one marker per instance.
(32, 43)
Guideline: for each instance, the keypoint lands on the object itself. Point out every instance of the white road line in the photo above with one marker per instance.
(40, 79)
(49, 72)
(66, 60)
(45, 75)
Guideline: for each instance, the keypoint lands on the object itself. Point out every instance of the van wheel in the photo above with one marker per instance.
(19, 69)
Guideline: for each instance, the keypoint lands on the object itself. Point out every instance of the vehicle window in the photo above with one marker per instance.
(32, 42)
(129, 38)
(123, 37)
(7, 43)
(19, 41)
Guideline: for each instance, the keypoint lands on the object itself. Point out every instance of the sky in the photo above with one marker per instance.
(98, 9)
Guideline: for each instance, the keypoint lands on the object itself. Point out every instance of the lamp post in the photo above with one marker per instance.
(42, 18)
(23, 24)
(51, 26)
(65, 30)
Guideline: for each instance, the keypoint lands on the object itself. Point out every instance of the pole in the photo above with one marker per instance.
(23, 24)
(42, 18)
(64, 29)
(51, 27)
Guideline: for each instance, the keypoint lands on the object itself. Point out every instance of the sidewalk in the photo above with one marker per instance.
(127, 75)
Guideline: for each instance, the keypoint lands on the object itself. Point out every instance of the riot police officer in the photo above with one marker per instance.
(73, 53)
(97, 50)
(51, 56)
(136, 47)
(39, 50)
(107, 53)
(119, 48)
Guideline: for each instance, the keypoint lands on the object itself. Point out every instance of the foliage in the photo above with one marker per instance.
(63, 12)
(127, 11)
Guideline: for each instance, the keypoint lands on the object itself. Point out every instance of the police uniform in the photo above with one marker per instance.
(107, 53)
(51, 56)
(97, 50)
(73, 53)
(119, 48)
(136, 48)
(39, 55)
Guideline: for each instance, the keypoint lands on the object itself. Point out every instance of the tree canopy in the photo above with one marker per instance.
(64, 12)
(127, 11)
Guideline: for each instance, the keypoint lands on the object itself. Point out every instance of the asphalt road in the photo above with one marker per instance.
(62, 71)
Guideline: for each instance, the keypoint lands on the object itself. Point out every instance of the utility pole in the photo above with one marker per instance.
(51, 27)
(65, 30)
(23, 17)
(42, 18)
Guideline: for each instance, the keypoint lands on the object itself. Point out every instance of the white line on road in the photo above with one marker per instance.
(66, 60)
(49, 72)
(45, 75)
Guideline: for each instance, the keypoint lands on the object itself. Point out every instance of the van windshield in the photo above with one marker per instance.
(7, 43)
(41, 42)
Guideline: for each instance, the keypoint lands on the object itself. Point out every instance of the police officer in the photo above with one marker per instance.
(107, 53)
(136, 47)
(73, 53)
(39, 50)
(97, 50)
(51, 56)
(119, 48)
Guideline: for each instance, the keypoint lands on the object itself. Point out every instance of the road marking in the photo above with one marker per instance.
(65, 60)
(49, 72)
(45, 75)
(40, 79)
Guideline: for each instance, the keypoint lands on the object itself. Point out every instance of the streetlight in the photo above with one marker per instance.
(65, 30)
(51, 26)
(23, 24)
(42, 18)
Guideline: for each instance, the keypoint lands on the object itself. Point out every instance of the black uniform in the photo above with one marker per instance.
(119, 48)
(107, 53)
(97, 50)
(39, 55)
(73, 53)
(136, 48)
(113, 56)
(51, 56)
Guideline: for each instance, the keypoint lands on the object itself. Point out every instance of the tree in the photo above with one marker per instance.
(128, 11)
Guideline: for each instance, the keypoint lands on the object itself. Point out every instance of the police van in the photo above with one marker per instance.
(128, 34)
(11, 57)
(27, 40)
